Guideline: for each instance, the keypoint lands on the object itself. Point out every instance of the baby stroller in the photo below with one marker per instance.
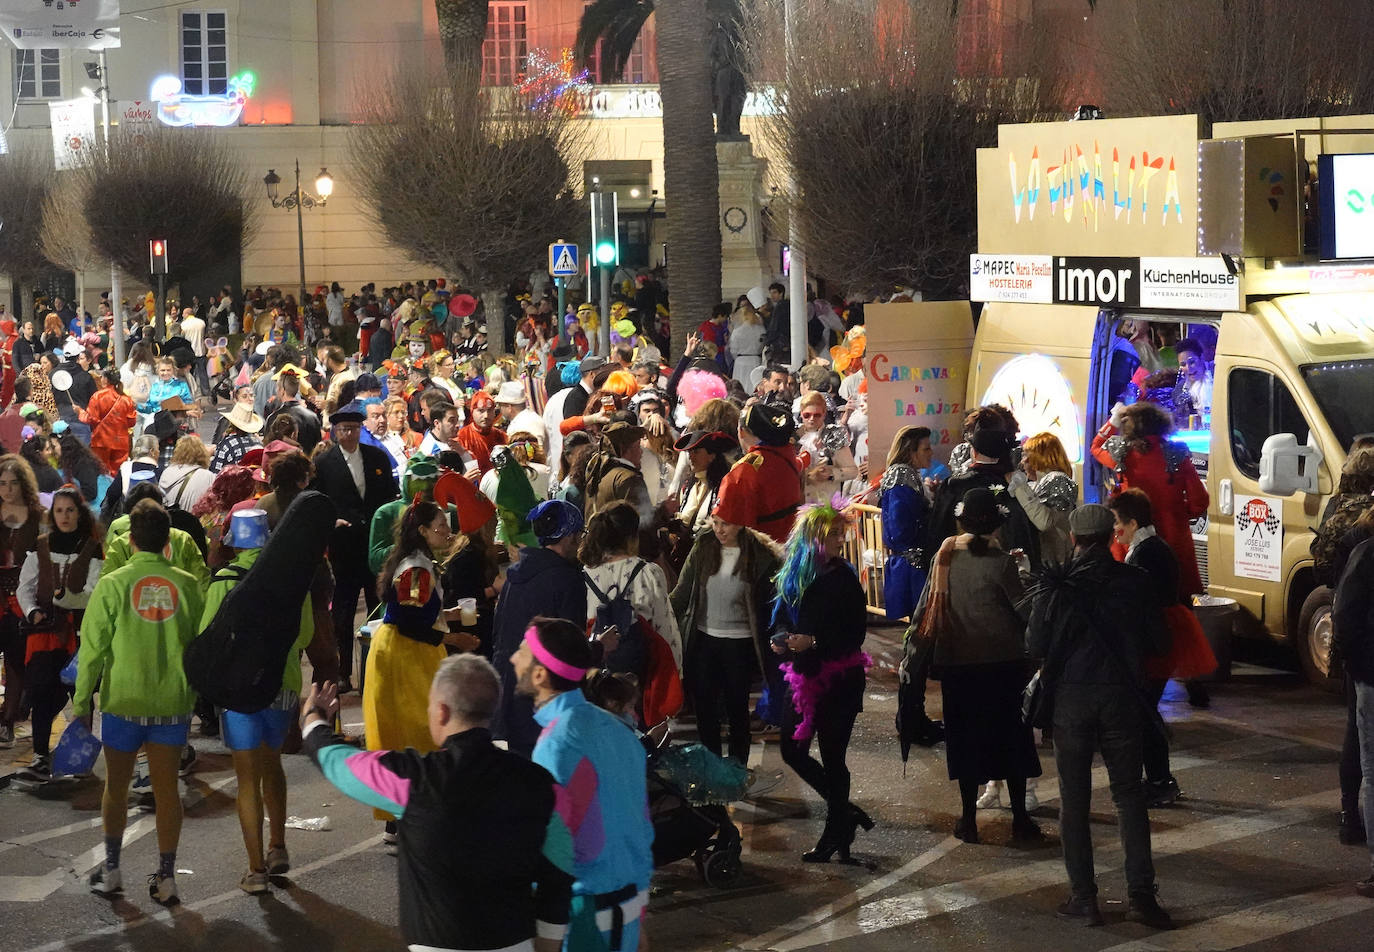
(688, 789)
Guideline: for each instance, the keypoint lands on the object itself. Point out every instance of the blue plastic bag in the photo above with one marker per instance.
(68, 675)
(767, 708)
(77, 751)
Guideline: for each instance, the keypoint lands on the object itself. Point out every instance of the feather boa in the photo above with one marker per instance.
(807, 690)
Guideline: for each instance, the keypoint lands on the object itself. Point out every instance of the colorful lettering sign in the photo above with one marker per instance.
(916, 362)
(1122, 187)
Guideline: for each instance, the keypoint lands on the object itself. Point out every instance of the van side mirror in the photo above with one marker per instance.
(1287, 468)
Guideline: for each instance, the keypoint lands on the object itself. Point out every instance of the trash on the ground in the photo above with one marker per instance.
(314, 824)
(186, 872)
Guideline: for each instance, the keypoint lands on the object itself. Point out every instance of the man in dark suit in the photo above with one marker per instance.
(358, 478)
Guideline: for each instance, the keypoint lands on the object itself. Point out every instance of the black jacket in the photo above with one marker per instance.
(1099, 617)
(1154, 557)
(1018, 532)
(1353, 614)
(541, 583)
(834, 611)
(472, 869)
(348, 544)
(308, 427)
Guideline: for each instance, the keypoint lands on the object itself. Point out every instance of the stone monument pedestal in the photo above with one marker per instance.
(743, 264)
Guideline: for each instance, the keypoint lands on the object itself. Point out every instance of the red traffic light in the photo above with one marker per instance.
(157, 256)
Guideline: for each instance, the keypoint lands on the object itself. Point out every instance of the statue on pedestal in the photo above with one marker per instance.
(727, 79)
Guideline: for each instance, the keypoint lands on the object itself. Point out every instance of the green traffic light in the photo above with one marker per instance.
(605, 253)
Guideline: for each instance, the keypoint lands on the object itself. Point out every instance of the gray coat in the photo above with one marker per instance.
(987, 611)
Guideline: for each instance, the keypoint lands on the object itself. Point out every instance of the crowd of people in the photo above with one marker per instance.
(518, 529)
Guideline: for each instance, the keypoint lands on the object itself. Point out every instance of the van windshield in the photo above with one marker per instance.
(1345, 392)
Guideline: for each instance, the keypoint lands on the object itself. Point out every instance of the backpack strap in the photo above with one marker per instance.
(231, 573)
(45, 574)
(596, 591)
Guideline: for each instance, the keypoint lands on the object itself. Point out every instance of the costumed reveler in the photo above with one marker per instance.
(820, 616)
(902, 497)
(408, 645)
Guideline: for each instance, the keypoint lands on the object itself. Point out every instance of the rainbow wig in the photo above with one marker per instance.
(804, 551)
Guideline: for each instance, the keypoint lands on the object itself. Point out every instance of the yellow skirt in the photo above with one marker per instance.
(396, 693)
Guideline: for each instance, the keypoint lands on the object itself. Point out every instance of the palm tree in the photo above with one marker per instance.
(462, 30)
(690, 175)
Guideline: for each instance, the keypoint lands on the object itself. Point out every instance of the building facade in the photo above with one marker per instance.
(312, 61)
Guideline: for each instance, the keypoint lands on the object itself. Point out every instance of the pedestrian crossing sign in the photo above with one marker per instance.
(563, 260)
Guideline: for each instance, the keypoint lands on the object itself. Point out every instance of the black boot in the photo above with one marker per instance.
(825, 847)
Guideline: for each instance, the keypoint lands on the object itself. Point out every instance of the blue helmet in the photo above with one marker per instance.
(248, 529)
(555, 519)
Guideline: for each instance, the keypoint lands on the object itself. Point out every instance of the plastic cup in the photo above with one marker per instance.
(467, 611)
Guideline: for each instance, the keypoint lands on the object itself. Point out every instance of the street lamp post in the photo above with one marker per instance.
(299, 200)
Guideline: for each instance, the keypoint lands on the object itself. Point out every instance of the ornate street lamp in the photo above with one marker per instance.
(299, 199)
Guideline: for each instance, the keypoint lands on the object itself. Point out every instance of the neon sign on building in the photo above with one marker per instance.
(175, 108)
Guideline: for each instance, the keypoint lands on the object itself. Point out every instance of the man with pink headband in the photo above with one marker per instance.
(600, 765)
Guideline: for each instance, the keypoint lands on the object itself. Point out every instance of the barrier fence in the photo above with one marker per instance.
(865, 551)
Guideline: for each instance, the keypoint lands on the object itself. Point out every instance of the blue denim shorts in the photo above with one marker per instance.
(122, 734)
(251, 731)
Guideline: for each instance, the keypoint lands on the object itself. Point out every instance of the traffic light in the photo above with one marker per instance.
(605, 230)
(157, 256)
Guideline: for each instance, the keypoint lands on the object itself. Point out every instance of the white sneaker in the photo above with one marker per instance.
(1032, 801)
(278, 861)
(163, 889)
(106, 881)
(254, 882)
(991, 797)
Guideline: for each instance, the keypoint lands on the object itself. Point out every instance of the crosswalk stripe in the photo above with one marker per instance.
(1262, 923)
(929, 902)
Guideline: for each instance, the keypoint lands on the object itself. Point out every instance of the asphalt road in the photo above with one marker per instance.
(1247, 860)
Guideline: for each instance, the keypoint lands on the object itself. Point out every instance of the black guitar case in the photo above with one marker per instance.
(238, 660)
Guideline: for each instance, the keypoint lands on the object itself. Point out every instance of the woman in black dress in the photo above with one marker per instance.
(820, 616)
(974, 607)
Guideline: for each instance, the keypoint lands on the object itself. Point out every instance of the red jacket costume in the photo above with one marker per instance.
(1164, 472)
(111, 416)
(763, 491)
(480, 444)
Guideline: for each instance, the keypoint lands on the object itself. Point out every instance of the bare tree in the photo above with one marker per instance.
(1238, 59)
(881, 134)
(26, 176)
(65, 238)
(476, 188)
(181, 185)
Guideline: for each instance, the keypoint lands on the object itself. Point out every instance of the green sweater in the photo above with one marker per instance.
(182, 551)
(139, 621)
(381, 533)
(220, 587)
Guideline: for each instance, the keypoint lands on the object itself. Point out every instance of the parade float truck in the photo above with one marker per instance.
(1100, 244)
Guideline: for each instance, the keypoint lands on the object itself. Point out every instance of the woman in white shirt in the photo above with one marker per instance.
(722, 601)
(188, 476)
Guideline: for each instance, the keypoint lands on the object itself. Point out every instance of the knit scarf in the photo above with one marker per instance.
(936, 616)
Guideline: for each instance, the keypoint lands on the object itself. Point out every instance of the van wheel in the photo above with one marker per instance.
(1313, 640)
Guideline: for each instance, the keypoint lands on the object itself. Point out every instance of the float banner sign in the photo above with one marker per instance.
(42, 24)
(1018, 278)
(1180, 284)
(1118, 187)
(916, 359)
(1259, 538)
